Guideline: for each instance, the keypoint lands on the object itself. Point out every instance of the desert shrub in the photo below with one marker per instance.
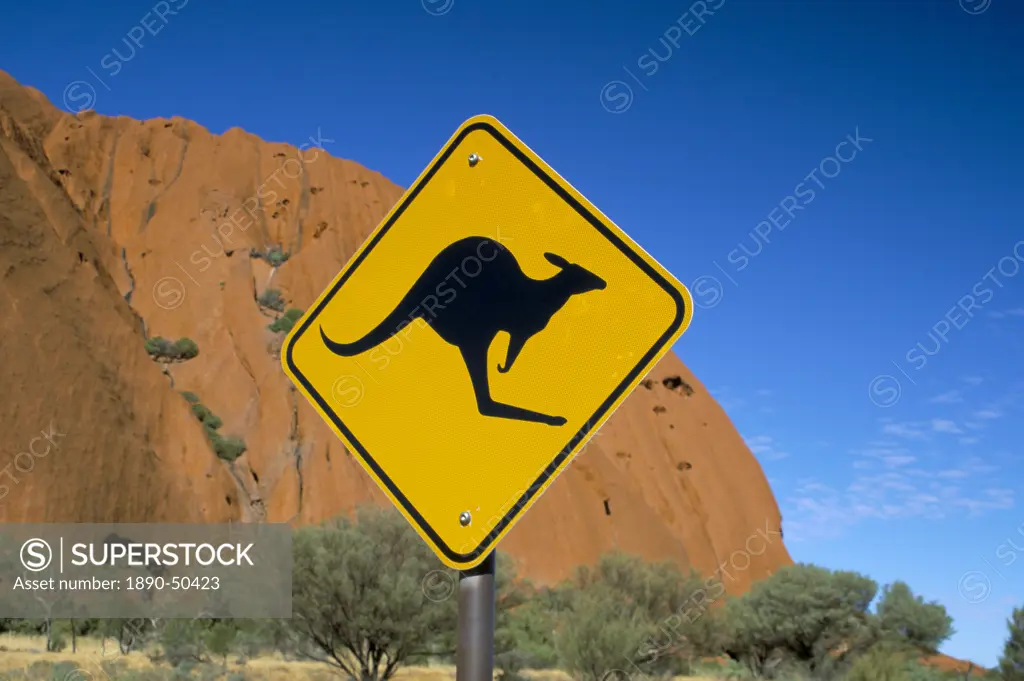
(600, 634)
(525, 639)
(203, 413)
(1011, 664)
(228, 448)
(628, 616)
(186, 348)
(159, 347)
(916, 671)
(190, 397)
(181, 642)
(286, 321)
(360, 599)
(906, 618)
(676, 603)
(274, 255)
(271, 299)
(43, 670)
(62, 671)
(804, 614)
(880, 663)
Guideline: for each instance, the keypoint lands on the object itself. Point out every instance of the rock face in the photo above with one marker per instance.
(113, 231)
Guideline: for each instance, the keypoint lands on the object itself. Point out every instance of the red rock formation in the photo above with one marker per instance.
(113, 230)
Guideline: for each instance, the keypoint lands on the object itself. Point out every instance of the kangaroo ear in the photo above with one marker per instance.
(556, 260)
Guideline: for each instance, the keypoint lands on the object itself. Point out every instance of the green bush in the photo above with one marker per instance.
(359, 599)
(186, 348)
(273, 255)
(190, 397)
(806, 614)
(159, 347)
(272, 300)
(602, 634)
(228, 448)
(908, 619)
(1011, 664)
(627, 616)
(525, 640)
(880, 663)
(205, 416)
(62, 671)
(285, 322)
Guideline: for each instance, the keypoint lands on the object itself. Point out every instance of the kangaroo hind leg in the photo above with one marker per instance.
(475, 357)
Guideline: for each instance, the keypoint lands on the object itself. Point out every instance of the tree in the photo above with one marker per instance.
(1011, 664)
(667, 607)
(599, 635)
(358, 596)
(909, 619)
(802, 613)
(524, 628)
(880, 663)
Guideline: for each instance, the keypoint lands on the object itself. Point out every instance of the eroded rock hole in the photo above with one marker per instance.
(677, 384)
(607, 507)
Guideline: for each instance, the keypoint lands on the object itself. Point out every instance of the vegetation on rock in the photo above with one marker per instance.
(271, 299)
(285, 322)
(227, 448)
(274, 255)
(159, 348)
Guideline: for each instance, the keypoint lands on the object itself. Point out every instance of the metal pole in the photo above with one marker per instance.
(474, 653)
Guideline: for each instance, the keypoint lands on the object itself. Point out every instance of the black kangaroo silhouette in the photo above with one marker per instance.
(499, 297)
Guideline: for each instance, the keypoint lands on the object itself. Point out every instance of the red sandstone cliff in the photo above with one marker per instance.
(108, 236)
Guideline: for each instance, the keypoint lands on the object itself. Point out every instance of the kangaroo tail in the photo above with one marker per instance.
(403, 314)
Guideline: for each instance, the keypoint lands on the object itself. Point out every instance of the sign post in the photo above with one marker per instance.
(474, 656)
(475, 342)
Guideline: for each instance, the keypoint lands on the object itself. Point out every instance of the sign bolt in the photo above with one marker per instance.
(465, 518)
(473, 160)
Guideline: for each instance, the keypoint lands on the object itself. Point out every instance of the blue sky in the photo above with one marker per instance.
(889, 457)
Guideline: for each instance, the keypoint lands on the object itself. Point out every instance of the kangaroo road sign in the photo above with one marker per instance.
(482, 333)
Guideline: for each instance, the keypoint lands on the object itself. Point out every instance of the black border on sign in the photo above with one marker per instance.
(486, 543)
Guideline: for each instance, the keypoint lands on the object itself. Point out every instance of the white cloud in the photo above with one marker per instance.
(909, 430)
(988, 414)
(969, 440)
(895, 478)
(817, 510)
(945, 426)
(948, 397)
(1003, 314)
(763, 447)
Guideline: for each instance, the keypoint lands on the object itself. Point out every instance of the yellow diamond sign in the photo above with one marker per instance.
(484, 331)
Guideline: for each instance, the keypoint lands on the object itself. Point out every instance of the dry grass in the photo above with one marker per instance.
(20, 653)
